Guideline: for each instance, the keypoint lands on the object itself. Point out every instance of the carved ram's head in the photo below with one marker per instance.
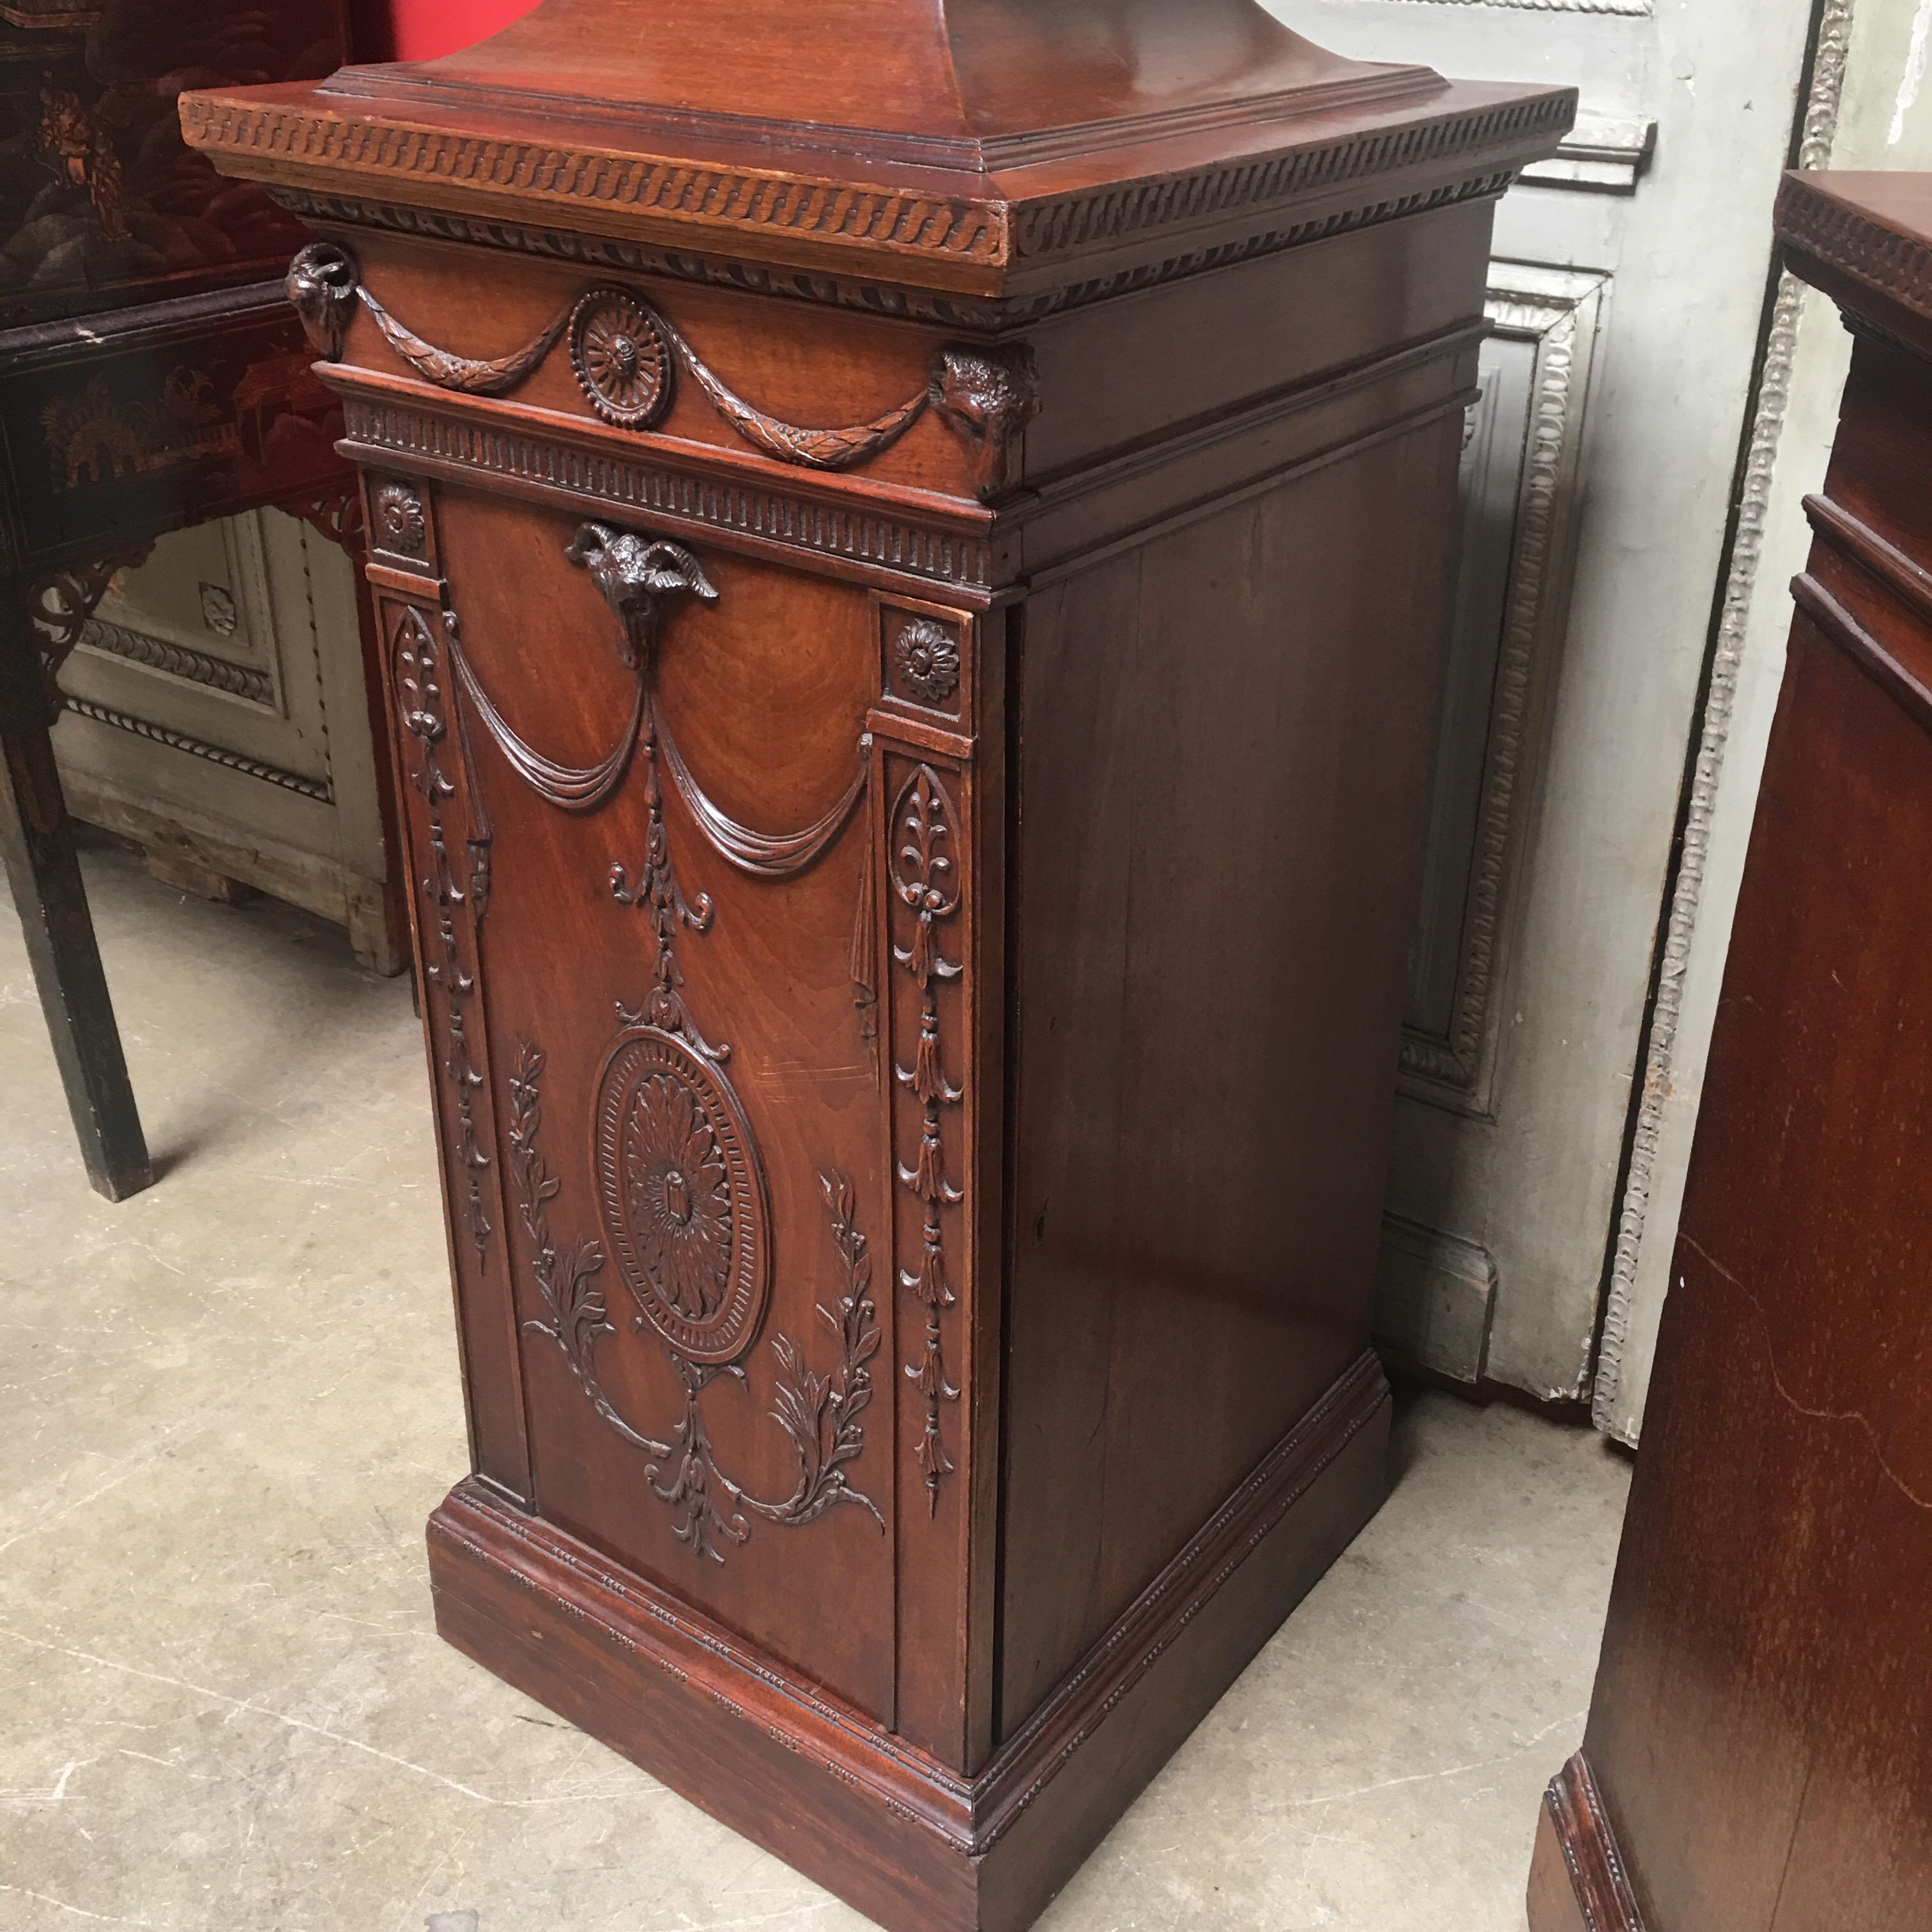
(635, 575)
(322, 284)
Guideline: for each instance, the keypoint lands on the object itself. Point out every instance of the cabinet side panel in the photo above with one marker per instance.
(1767, 1638)
(1223, 751)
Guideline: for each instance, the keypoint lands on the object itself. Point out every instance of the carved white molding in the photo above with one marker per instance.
(238, 762)
(1602, 154)
(1636, 9)
(1821, 125)
(1556, 313)
(178, 661)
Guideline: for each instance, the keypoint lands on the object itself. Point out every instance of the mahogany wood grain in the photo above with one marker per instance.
(912, 561)
(1760, 1740)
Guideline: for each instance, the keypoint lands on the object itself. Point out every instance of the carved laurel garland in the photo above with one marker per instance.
(623, 352)
(820, 1413)
(925, 880)
(1820, 130)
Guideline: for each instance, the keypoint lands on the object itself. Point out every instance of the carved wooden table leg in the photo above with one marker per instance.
(36, 840)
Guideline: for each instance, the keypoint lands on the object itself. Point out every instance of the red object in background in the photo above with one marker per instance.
(422, 29)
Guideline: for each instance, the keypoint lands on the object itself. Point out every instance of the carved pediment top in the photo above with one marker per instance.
(955, 144)
(975, 85)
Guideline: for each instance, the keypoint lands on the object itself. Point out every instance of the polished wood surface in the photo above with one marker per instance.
(958, 82)
(1758, 1756)
(913, 568)
(150, 377)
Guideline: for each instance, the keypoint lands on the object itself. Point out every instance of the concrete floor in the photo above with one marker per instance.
(226, 1406)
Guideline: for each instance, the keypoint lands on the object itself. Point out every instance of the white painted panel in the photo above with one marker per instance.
(1525, 1168)
(217, 714)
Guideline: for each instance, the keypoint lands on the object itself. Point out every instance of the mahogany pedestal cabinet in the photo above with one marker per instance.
(913, 543)
(1758, 1755)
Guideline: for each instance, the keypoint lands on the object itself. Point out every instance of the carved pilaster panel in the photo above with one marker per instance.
(924, 906)
(925, 793)
(447, 838)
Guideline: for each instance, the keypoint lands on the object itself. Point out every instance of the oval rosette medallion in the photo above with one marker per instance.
(682, 1196)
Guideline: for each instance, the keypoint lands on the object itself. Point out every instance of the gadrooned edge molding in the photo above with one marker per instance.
(950, 311)
(1841, 237)
(721, 203)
